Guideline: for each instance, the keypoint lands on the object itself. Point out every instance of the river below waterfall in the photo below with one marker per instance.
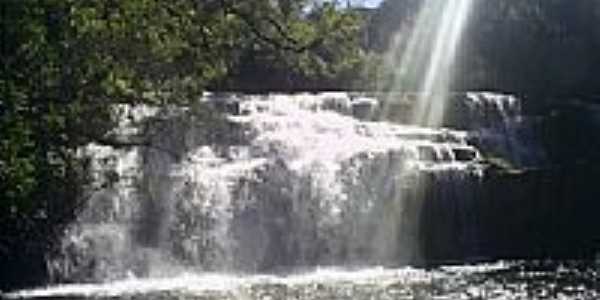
(506, 281)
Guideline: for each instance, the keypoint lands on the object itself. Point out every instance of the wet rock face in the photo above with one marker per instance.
(495, 124)
(498, 127)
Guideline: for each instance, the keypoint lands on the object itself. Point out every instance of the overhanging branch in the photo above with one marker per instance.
(290, 43)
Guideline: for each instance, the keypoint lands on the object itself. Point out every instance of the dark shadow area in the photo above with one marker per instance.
(546, 213)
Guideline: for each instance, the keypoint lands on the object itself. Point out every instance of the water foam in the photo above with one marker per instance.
(295, 180)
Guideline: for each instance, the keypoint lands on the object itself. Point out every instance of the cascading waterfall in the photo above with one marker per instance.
(497, 123)
(298, 182)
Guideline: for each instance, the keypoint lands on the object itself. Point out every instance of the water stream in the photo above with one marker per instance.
(296, 181)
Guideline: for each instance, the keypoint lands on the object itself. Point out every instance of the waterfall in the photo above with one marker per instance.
(282, 182)
(498, 127)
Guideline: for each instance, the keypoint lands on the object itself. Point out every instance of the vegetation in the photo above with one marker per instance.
(65, 62)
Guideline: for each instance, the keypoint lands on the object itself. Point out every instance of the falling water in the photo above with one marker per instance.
(297, 181)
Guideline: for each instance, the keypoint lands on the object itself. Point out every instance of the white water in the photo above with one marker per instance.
(291, 183)
(322, 283)
(484, 281)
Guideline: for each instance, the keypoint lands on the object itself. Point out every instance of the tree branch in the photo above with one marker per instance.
(290, 44)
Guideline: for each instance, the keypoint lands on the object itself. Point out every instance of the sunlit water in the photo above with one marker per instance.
(292, 181)
(504, 281)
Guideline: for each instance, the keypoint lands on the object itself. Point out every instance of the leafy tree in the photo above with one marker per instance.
(66, 62)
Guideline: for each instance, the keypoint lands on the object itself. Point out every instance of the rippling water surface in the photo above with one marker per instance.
(515, 280)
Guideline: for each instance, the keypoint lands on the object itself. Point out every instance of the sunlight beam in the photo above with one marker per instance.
(423, 63)
(435, 89)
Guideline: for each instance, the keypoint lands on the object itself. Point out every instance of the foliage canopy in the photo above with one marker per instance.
(66, 62)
